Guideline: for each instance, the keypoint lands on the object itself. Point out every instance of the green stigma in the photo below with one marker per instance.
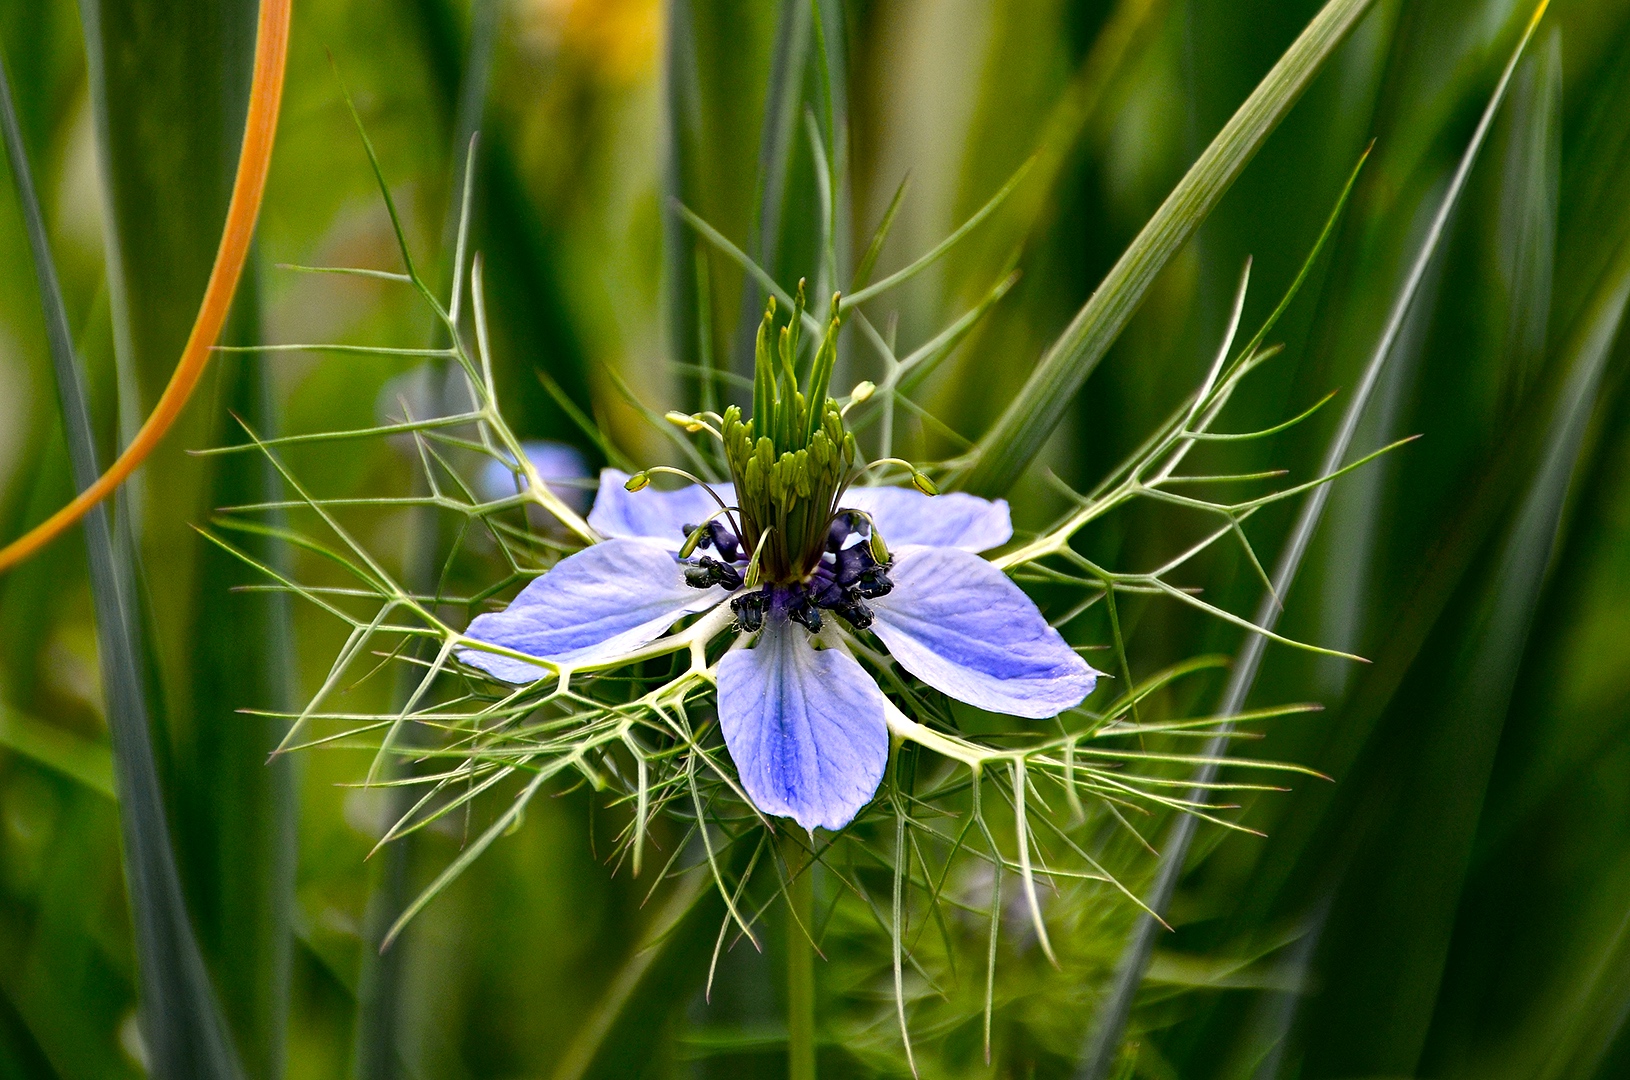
(794, 458)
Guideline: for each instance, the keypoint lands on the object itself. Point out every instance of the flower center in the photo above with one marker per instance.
(791, 463)
(846, 575)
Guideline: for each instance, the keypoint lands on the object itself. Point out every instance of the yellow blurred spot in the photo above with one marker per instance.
(616, 39)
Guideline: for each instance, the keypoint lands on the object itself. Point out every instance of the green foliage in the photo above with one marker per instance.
(1037, 214)
(181, 1024)
(1016, 437)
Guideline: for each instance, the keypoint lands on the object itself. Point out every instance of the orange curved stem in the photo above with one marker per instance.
(265, 96)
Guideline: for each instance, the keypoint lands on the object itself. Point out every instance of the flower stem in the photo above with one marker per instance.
(800, 946)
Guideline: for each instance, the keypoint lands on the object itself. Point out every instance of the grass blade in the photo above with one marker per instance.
(1104, 1040)
(237, 826)
(777, 143)
(1027, 422)
(671, 921)
(381, 985)
(182, 1024)
(265, 97)
(74, 757)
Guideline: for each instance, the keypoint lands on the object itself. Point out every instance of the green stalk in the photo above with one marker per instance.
(1104, 1038)
(181, 1022)
(800, 960)
(1017, 436)
(381, 978)
(788, 65)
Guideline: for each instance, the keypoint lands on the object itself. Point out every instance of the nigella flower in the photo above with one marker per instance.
(799, 555)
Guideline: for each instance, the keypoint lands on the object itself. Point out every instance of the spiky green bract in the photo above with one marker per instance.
(791, 461)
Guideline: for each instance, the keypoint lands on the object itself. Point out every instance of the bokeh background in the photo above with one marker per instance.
(1454, 902)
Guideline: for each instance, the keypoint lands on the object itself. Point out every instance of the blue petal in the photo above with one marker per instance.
(805, 728)
(954, 520)
(652, 514)
(553, 460)
(603, 601)
(961, 626)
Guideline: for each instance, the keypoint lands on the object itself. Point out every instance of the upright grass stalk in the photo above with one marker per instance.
(689, 324)
(800, 946)
(236, 804)
(184, 1032)
(379, 982)
(776, 144)
(1016, 437)
(591, 1038)
(1104, 1037)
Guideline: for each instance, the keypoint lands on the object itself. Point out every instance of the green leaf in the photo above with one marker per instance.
(239, 802)
(1025, 425)
(184, 1031)
(71, 755)
(778, 143)
(1104, 1042)
(1463, 676)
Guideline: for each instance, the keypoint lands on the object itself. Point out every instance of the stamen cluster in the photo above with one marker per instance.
(853, 568)
(851, 572)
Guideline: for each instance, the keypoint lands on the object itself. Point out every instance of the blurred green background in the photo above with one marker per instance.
(1454, 903)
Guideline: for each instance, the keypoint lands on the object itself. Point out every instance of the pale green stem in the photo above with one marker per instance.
(800, 960)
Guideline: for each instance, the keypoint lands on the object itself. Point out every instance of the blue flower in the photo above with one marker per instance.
(803, 721)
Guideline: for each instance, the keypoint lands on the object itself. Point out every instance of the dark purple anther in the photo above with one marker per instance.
(825, 590)
(717, 535)
(724, 541)
(855, 613)
(707, 572)
(848, 576)
(802, 611)
(838, 532)
(845, 579)
(850, 563)
(749, 609)
(874, 582)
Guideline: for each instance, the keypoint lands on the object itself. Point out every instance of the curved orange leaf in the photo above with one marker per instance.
(265, 96)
